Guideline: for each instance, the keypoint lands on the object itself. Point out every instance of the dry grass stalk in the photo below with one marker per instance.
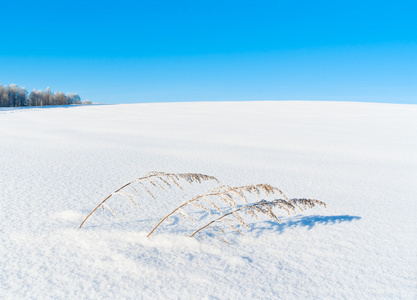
(156, 179)
(262, 207)
(225, 194)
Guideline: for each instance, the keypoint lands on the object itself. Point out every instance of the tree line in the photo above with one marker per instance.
(15, 96)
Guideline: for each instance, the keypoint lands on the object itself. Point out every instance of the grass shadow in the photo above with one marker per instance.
(302, 221)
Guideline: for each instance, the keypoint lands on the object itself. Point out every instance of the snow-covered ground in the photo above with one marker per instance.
(57, 164)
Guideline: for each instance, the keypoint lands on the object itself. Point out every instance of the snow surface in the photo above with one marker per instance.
(57, 164)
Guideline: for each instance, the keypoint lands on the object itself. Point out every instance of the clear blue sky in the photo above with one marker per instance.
(151, 51)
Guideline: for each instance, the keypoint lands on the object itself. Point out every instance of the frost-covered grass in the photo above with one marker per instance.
(57, 164)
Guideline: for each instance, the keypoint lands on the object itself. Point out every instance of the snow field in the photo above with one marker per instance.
(56, 164)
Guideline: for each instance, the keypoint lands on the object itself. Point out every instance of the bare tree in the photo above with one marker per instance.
(36, 98)
(59, 98)
(47, 97)
(4, 98)
(74, 99)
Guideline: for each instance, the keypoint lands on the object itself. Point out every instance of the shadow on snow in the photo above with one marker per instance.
(304, 221)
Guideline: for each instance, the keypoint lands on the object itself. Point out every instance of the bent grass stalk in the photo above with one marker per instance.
(224, 193)
(151, 177)
(262, 207)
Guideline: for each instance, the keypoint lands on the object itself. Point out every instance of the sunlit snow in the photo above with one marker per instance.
(57, 164)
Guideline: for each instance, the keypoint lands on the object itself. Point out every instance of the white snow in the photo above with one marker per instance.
(57, 164)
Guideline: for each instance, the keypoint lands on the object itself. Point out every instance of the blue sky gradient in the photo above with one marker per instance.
(157, 51)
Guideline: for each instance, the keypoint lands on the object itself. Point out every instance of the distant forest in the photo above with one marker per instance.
(15, 96)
